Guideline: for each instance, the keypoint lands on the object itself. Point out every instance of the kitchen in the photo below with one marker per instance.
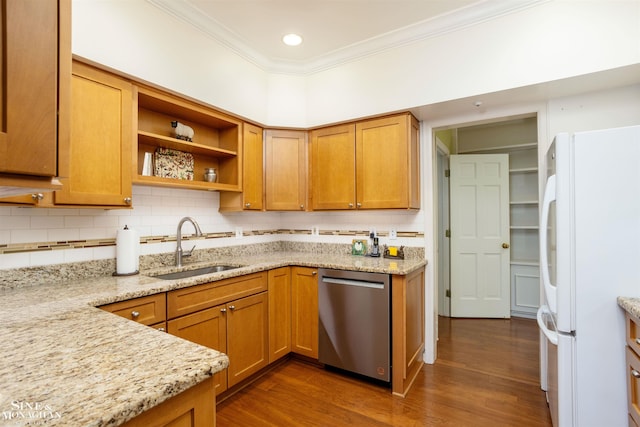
(591, 91)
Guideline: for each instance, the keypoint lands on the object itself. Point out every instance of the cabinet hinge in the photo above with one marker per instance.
(447, 293)
(447, 173)
(447, 233)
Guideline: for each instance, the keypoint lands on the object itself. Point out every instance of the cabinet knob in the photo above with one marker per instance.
(135, 314)
(635, 373)
(505, 246)
(127, 200)
(232, 307)
(37, 197)
(350, 205)
(301, 207)
(161, 329)
(223, 310)
(638, 341)
(359, 205)
(247, 205)
(313, 273)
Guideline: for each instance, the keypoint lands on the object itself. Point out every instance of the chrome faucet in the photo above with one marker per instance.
(179, 252)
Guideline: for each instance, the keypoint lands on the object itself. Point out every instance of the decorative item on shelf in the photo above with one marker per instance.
(147, 165)
(358, 247)
(182, 131)
(173, 164)
(210, 174)
(394, 252)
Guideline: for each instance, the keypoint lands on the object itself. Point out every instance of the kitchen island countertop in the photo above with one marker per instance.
(68, 363)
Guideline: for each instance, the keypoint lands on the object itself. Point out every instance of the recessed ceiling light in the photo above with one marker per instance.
(292, 39)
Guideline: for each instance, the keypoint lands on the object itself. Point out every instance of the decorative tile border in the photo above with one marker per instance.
(79, 244)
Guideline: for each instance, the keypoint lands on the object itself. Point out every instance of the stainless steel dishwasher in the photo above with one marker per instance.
(354, 322)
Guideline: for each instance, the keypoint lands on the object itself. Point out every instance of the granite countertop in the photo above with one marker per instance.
(68, 363)
(630, 305)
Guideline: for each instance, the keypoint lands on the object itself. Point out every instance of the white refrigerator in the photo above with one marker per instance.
(589, 255)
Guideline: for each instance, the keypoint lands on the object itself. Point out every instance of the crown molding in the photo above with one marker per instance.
(475, 13)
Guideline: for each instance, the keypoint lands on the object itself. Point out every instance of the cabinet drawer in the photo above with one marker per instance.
(633, 385)
(633, 333)
(200, 297)
(146, 310)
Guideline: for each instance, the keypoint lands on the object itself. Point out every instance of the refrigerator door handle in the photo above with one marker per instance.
(549, 288)
(552, 336)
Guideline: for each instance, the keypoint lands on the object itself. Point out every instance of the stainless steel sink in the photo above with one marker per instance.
(195, 272)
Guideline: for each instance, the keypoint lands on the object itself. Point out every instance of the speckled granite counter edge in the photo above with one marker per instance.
(630, 305)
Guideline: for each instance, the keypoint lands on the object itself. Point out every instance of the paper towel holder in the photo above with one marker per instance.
(133, 273)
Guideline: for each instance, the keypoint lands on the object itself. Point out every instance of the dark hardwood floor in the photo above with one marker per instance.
(486, 375)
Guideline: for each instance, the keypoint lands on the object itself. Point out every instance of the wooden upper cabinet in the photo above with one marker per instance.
(252, 194)
(34, 67)
(285, 170)
(372, 164)
(333, 167)
(95, 165)
(387, 163)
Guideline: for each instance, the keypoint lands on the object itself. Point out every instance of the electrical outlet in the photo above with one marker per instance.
(315, 230)
(373, 231)
(393, 234)
(239, 233)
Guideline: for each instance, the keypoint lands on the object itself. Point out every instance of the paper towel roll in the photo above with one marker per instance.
(127, 251)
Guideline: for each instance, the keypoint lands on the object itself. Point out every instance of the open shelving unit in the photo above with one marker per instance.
(217, 140)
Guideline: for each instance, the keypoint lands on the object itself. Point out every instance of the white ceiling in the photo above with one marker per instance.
(333, 31)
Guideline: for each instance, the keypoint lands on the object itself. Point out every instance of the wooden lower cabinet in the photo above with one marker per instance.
(149, 310)
(279, 313)
(304, 311)
(193, 407)
(208, 328)
(407, 344)
(238, 328)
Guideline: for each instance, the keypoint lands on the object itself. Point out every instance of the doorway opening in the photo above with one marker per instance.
(517, 137)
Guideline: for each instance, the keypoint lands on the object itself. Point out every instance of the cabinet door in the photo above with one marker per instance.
(279, 313)
(207, 328)
(407, 319)
(285, 170)
(247, 336)
(96, 163)
(28, 94)
(304, 316)
(333, 168)
(252, 194)
(387, 171)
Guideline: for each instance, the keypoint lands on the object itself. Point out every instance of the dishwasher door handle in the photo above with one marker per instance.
(360, 283)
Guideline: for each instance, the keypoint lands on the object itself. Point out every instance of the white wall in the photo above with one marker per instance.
(546, 42)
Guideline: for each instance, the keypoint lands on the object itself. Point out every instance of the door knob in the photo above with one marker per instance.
(505, 245)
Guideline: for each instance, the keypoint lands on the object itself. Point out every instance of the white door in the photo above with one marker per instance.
(480, 279)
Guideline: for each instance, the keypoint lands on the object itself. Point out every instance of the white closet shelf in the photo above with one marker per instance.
(532, 262)
(523, 202)
(524, 227)
(501, 148)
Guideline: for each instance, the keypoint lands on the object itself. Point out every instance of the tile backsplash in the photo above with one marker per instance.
(40, 236)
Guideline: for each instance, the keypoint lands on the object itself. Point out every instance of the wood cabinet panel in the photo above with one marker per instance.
(252, 195)
(387, 174)
(193, 407)
(285, 170)
(208, 328)
(200, 297)
(407, 346)
(371, 164)
(28, 135)
(333, 168)
(304, 316)
(247, 337)
(146, 310)
(95, 165)
(279, 313)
